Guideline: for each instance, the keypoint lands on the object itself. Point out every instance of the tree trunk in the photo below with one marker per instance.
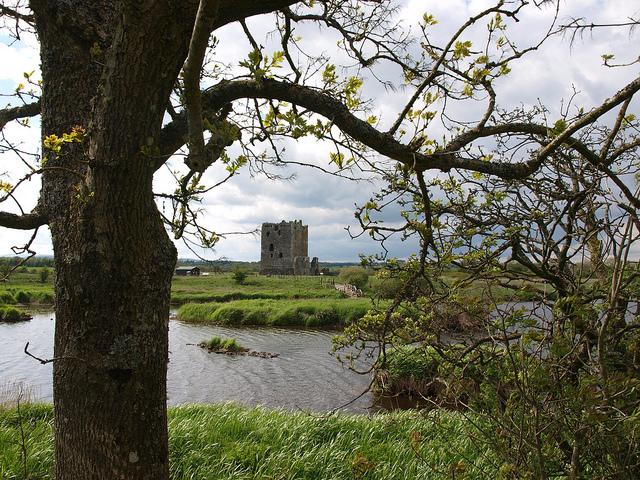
(114, 260)
(112, 311)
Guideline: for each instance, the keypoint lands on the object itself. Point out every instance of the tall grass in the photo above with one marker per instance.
(408, 370)
(304, 313)
(26, 297)
(11, 314)
(232, 442)
(24, 287)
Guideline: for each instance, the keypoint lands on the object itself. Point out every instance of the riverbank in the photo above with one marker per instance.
(12, 314)
(301, 313)
(26, 290)
(232, 442)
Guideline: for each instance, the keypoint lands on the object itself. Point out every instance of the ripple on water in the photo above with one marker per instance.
(304, 375)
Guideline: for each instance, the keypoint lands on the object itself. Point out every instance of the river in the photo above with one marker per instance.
(303, 376)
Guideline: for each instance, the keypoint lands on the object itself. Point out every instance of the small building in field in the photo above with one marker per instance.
(187, 271)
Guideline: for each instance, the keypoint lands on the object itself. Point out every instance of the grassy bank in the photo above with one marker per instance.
(231, 442)
(12, 314)
(25, 287)
(303, 313)
(409, 370)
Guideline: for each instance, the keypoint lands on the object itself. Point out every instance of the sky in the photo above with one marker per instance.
(327, 203)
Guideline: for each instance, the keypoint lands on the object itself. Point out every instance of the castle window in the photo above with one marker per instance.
(268, 233)
(280, 255)
(271, 255)
(271, 247)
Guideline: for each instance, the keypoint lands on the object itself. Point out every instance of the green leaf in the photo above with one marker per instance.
(429, 19)
(337, 158)
(558, 127)
(606, 57)
(329, 74)
(462, 49)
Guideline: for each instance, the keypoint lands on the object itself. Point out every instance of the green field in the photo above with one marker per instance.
(24, 287)
(222, 288)
(218, 298)
(211, 442)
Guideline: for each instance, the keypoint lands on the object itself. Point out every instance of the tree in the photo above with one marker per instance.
(356, 276)
(43, 274)
(239, 275)
(111, 76)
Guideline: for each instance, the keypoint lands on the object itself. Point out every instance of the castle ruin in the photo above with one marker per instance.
(285, 250)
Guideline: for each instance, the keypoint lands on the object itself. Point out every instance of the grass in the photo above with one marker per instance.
(227, 441)
(225, 344)
(223, 288)
(408, 370)
(11, 314)
(24, 287)
(303, 313)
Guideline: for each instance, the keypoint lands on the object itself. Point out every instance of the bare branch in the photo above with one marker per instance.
(28, 221)
(14, 113)
(10, 12)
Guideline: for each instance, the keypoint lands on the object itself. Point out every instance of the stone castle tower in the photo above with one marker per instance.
(285, 249)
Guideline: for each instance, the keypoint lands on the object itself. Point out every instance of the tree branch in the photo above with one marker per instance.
(9, 114)
(10, 12)
(27, 221)
(205, 18)
(385, 144)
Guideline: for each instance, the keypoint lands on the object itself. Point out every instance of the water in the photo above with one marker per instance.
(304, 376)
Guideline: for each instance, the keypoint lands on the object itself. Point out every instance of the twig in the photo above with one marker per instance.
(44, 361)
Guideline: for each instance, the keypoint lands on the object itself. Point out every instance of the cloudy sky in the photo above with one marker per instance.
(326, 203)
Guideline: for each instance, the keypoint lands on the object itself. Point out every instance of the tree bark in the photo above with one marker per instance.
(114, 260)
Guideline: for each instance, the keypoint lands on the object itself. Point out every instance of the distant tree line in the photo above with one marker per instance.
(37, 261)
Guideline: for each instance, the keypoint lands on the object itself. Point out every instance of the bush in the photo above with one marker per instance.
(386, 287)
(240, 275)
(43, 275)
(23, 297)
(356, 276)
